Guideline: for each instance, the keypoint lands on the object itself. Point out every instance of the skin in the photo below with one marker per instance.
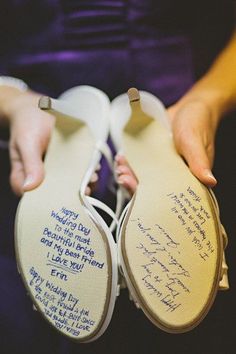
(194, 141)
(194, 120)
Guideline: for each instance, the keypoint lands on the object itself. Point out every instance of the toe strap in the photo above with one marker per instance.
(98, 204)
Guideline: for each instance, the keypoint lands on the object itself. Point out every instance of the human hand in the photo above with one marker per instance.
(194, 127)
(30, 131)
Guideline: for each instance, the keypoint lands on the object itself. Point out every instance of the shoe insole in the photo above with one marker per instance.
(62, 250)
(171, 243)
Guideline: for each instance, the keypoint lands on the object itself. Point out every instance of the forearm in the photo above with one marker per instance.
(217, 88)
(10, 100)
(8, 95)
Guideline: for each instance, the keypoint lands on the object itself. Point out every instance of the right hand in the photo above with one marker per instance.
(30, 132)
(194, 126)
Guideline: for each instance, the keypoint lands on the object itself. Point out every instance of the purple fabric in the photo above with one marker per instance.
(112, 45)
(54, 45)
(109, 44)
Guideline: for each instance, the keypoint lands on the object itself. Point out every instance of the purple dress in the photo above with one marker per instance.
(54, 45)
(158, 46)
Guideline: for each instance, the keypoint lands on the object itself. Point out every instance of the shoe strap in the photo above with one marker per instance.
(98, 204)
(120, 201)
(104, 148)
(224, 282)
(121, 196)
(121, 193)
(121, 221)
(118, 232)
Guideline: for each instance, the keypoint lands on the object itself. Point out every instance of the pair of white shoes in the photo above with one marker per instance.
(170, 240)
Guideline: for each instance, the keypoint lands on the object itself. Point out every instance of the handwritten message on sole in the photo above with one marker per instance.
(68, 251)
(167, 258)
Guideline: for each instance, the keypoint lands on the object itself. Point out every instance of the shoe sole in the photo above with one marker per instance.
(170, 245)
(65, 252)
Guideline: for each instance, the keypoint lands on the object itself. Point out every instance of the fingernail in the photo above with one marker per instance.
(94, 178)
(118, 157)
(28, 181)
(209, 174)
(123, 180)
(98, 168)
(118, 171)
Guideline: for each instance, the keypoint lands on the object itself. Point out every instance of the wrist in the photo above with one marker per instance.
(10, 89)
(13, 82)
(216, 101)
(13, 99)
(217, 98)
(8, 95)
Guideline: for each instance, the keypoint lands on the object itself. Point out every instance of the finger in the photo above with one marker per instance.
(94, 178)
(126, 176)
(122, 169)
(98, 167)
(128, 182)
(195, 154)
(120, 160)
(31, 155)
(17, 175)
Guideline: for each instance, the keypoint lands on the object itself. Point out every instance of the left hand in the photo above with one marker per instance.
(194, 127)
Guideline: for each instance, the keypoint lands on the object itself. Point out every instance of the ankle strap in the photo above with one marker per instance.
(121, 221)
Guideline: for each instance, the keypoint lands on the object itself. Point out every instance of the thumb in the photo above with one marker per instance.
(196, 155)
(33, 165)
